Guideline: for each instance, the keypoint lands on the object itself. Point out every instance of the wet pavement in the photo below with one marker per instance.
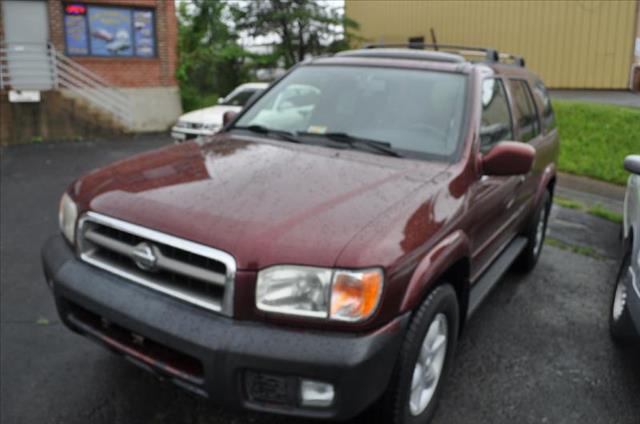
(537, 351)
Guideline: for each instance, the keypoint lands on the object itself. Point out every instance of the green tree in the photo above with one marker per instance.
(211, 61)
(304, 27)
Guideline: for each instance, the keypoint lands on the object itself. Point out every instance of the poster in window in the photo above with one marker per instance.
(76, 35)
(110, 31)
(143, 28)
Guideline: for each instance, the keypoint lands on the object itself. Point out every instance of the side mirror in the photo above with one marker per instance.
(508, 158)
(220, 100)
(632, 164)
(228, 117)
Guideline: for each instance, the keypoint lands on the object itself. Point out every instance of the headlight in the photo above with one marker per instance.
(341, 295)
(67, 215)
(294, 290)
(211, 127)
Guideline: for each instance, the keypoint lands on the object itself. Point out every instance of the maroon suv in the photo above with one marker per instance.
(322, 253)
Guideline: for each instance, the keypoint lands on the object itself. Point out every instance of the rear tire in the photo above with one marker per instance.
(621, 326)
(422, 365)
(535, 235)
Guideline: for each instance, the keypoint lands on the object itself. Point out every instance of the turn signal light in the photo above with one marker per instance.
(355, 295)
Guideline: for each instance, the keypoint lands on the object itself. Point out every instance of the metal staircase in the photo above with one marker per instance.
(25, 66)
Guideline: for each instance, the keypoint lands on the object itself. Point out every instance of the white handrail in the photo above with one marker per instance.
(38, 66)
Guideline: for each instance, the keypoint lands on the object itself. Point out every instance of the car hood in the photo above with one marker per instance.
(265, 202)
(209, 115)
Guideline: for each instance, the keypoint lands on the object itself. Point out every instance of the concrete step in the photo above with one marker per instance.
(101, 115)
(54, 118)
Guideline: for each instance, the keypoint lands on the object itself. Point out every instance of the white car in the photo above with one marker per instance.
(120, 42)
(208, 121)
(625, 306)
(292, 106)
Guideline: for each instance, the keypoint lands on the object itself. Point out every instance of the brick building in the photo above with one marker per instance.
(114, 56)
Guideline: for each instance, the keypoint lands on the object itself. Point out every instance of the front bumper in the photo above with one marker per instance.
(226, 360)
(180, 134)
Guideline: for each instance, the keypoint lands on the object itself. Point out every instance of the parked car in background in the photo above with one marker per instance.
(208, 121)
(323, 253)
(625, 306)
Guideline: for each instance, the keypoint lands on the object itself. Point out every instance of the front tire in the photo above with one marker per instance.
(425, 358)
(620, 325)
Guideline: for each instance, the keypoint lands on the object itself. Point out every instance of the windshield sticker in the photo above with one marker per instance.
(317, 129)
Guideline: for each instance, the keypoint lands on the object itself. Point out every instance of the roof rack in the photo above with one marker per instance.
(517, 60)
(490, 55)
(394, 53)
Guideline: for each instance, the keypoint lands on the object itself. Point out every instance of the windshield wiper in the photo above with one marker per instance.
(261, 129)
(342, 137)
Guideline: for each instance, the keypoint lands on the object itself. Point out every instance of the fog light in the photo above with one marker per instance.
(316, 394)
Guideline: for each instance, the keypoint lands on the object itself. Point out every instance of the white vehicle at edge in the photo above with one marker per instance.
(208, 121)
(624, 319)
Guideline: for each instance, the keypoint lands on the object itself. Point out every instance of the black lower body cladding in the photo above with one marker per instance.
(234, 363)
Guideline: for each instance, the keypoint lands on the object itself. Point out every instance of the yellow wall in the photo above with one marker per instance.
(571, 44)
(638, 20)
(638, 30)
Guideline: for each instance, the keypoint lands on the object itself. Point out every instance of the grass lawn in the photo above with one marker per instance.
(595, 210)
(594, 139)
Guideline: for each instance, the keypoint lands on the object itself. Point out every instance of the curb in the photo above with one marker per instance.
(591, 192)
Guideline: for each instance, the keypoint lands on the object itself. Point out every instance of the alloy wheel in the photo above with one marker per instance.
(429, 365)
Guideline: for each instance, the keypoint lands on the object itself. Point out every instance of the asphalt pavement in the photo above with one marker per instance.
(537, 351)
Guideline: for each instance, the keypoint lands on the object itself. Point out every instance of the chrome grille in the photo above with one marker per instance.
(189, 125)
(189, 271)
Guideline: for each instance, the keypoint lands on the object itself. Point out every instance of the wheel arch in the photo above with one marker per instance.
(551, 185)
(458, 276)
(449, 261)
(548, 182)
(628, 238)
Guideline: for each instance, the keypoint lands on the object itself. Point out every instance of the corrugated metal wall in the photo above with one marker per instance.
(571, 44)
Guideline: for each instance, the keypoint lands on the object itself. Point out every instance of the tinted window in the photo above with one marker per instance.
(495, 123)
(418, 112)
(525, 110)
(548, 117)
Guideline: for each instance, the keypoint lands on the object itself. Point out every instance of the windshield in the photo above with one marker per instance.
(239, 98)
(412, 110)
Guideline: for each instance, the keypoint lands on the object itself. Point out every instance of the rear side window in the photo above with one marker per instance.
(240, 98)
(526, 110)
(548, 117)
(495, 124)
